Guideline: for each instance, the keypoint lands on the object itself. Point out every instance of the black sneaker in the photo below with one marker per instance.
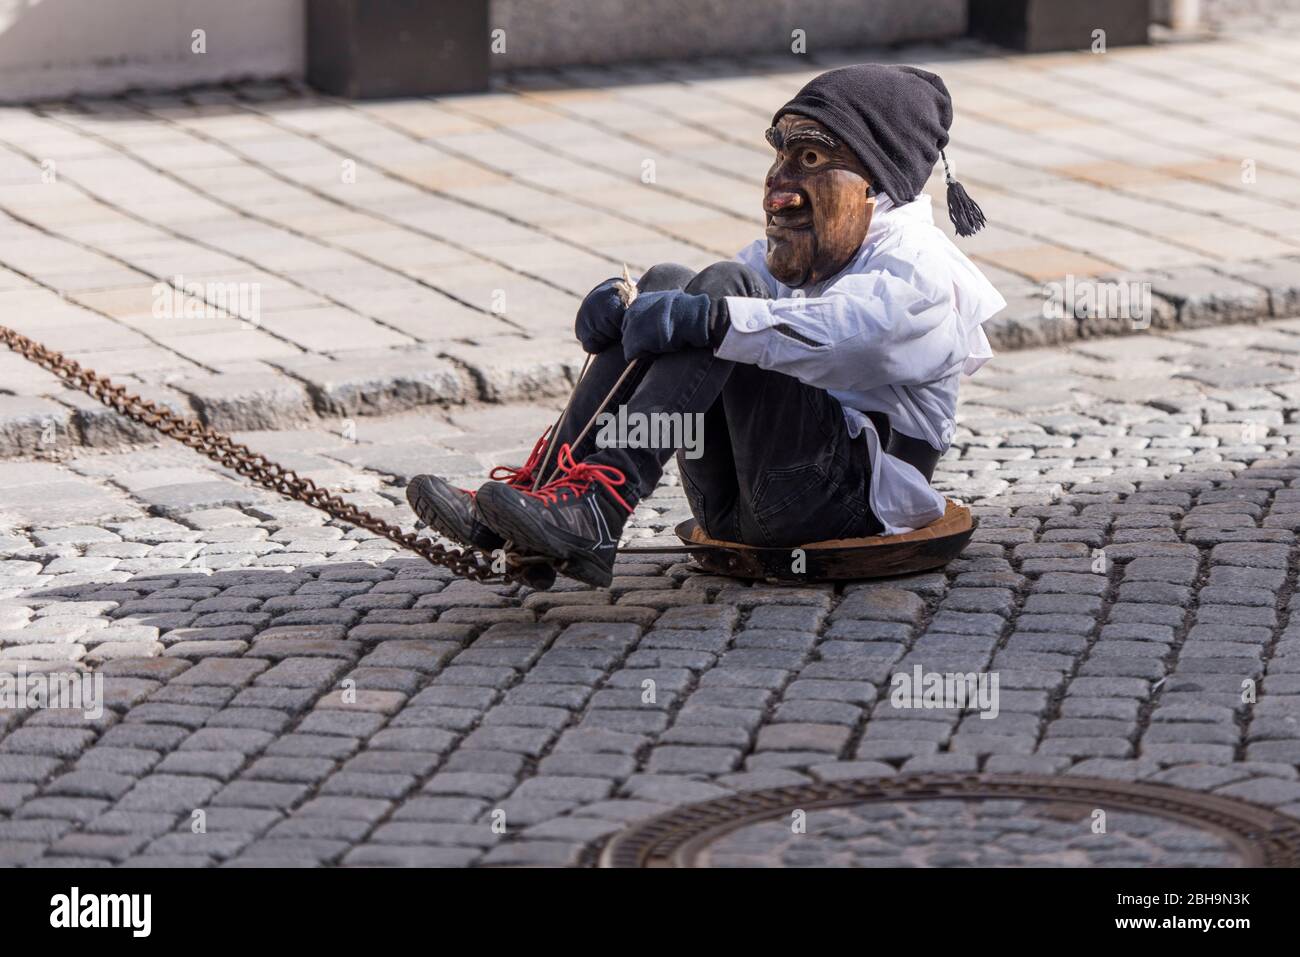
(450, 510)
(575, 519)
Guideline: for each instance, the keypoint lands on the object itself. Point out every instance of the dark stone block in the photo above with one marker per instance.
(1037, 26)
(379, 48)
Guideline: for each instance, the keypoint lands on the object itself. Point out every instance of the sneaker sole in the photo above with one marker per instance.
(433, 502)
(529, 535)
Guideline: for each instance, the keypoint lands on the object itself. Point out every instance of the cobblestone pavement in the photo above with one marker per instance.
(324, 699)
(434, 250)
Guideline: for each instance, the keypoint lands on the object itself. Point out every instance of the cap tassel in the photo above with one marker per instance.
(967, 218)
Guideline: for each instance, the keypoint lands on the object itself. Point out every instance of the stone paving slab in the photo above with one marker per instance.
(262, 256)
(283, 689)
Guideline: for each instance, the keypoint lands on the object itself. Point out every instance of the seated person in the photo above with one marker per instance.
(824, 359)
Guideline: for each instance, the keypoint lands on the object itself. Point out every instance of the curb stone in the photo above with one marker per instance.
(379, 383)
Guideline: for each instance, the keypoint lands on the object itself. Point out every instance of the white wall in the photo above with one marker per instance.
(52, 48)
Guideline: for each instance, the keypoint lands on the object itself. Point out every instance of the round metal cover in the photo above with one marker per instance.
(963, 820)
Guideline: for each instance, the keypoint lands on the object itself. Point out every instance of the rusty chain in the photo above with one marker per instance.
(467, 562)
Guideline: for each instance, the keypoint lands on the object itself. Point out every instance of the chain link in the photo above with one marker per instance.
(468, 563)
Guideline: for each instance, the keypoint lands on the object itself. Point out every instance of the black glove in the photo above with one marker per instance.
(659, 322)
(600, 317)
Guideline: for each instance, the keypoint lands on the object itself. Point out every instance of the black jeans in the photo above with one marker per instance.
(778, 466)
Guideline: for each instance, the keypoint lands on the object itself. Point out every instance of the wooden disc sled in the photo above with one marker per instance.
(840, 559)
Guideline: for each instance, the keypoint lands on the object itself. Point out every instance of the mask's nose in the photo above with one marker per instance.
(781, 200)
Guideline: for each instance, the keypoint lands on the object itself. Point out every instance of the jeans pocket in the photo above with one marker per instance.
(786, 501)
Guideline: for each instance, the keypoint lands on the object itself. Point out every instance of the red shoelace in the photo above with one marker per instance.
(522, 477)
(577, 478)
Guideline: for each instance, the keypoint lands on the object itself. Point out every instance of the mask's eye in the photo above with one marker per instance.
(811, 158)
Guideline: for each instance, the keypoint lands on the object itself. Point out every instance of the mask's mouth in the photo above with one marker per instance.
(798, 219)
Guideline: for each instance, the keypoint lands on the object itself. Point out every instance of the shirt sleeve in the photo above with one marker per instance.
(890, 326)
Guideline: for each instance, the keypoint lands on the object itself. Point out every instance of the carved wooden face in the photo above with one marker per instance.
(815, 200)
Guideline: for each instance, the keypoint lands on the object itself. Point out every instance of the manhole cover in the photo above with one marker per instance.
(956, 821)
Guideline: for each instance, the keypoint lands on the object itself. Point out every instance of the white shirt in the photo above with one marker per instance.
(892, 332)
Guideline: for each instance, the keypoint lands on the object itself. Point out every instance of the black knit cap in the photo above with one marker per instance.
(896, 120)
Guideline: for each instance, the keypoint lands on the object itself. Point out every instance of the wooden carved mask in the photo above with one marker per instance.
(816, 202)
